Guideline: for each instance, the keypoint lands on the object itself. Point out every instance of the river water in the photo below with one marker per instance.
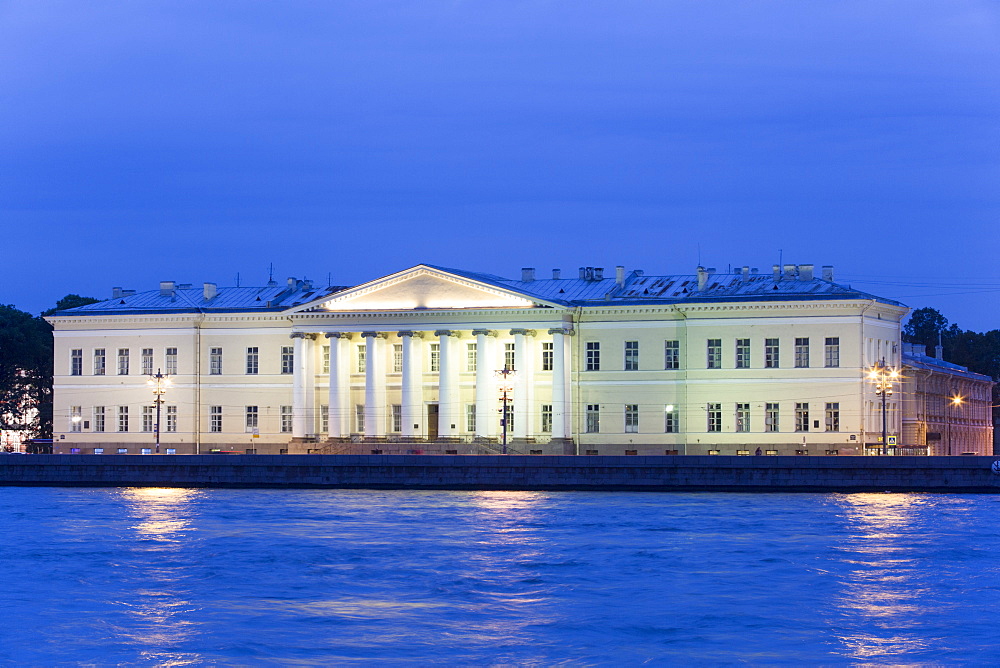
(304, 577)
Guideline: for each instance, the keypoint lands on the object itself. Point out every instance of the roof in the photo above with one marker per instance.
(924, 361)
(639, 288)
(185, 299)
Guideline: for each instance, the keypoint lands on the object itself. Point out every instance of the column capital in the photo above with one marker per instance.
(406, 332)
(525, 332)
(373, 335)
(302, 335)
(339, 335)
(448, 332)
(568, 331)
(484, 332)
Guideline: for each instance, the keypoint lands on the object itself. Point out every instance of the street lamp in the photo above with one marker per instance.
(506, 376)
(882, 375)
(956, 400)
(159, 383)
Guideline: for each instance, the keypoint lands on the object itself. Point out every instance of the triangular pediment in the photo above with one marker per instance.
(423, 288)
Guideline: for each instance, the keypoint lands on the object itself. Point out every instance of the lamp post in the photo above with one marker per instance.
(956, 400)
(506, 387)
(159, 383)
(882, 375)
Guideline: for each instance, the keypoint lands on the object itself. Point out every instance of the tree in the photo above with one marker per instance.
(925, 326)
(25, 373)
(70, 301)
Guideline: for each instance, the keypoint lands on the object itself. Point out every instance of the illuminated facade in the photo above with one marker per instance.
(625, 364)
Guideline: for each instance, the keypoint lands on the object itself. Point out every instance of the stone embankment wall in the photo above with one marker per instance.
(513, 472)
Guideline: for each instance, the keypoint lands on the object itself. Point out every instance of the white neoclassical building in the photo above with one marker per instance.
(627, 363)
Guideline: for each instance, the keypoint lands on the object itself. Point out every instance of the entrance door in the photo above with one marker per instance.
(432, 422)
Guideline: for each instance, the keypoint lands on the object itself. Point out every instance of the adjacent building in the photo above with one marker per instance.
(624, 363)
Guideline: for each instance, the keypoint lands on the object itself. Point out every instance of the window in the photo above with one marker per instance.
(470, 357)
(171, 361)
(508, 355)
(98, 451)
(147, 418)
(770, 353)
(833, 417)
(801, 353)
(75, 418)
(771, 417)
(147, 451)
(631, 418)
(801, 417)
(742, 417)
(593, 356)
(548, 352)
(831, 354)
(470, 418)
(147, 361)
(359, 418)
(771, 453)
(742, 353)
(252, 417)
(593, 425)
(123, 418)
(546, 427)
(714, 350)
(171, 418)
(508, 418)
(253, 360)
(743, 453)
(171, 451)
(326, 360)
(397, 418)
(714, 417)
(215, 361)
(671, 423)
(671, 355)
(215, 419)
(285, 414)
(324, 418)
(100, 362)
(713, 452)
(287, 359)
(435, 357)
(76, 362)
(631, 355)
(99, 418)
(397, 358)
(362, 358)
(123, 361)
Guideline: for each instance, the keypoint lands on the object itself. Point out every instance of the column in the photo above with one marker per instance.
(340, 388)
(486, 400)
(562, 401)
(303, 384)
(375, 408)
(412, 381)
(449, 398)
(524, 383)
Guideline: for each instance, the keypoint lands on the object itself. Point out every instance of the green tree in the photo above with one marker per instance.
(25, 373)
(925, 326)
(70, 301)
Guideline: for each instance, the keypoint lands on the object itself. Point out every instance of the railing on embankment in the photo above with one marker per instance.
(512, 472)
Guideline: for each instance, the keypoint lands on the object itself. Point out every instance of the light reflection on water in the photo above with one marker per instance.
(249, 577)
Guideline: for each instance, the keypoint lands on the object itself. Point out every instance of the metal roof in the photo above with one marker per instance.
(930, 363)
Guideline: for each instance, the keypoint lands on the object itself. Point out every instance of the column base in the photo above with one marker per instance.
(567, 445)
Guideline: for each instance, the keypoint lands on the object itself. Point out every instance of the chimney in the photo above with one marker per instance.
(167, 288)
(745, 273)
(556, 274)
(527, 274)
(702, 278)
(598, 273)
(116, 293)
(919, 349)
(583, 273)
(939, 351)
(291, 282)
(620, 275)
(128, 293)
(789, 271)
(827, 273)
(777, 271)
(210, 290)
(806, 272)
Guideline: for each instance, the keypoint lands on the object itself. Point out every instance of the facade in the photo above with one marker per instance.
(707, 363)
(946, 408)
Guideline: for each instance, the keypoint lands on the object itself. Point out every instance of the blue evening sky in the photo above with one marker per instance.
(143, 141)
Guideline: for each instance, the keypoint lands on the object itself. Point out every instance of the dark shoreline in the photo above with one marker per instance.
(512, 472)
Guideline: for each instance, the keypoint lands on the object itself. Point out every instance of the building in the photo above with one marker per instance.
(708, 363)
(947, 410)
